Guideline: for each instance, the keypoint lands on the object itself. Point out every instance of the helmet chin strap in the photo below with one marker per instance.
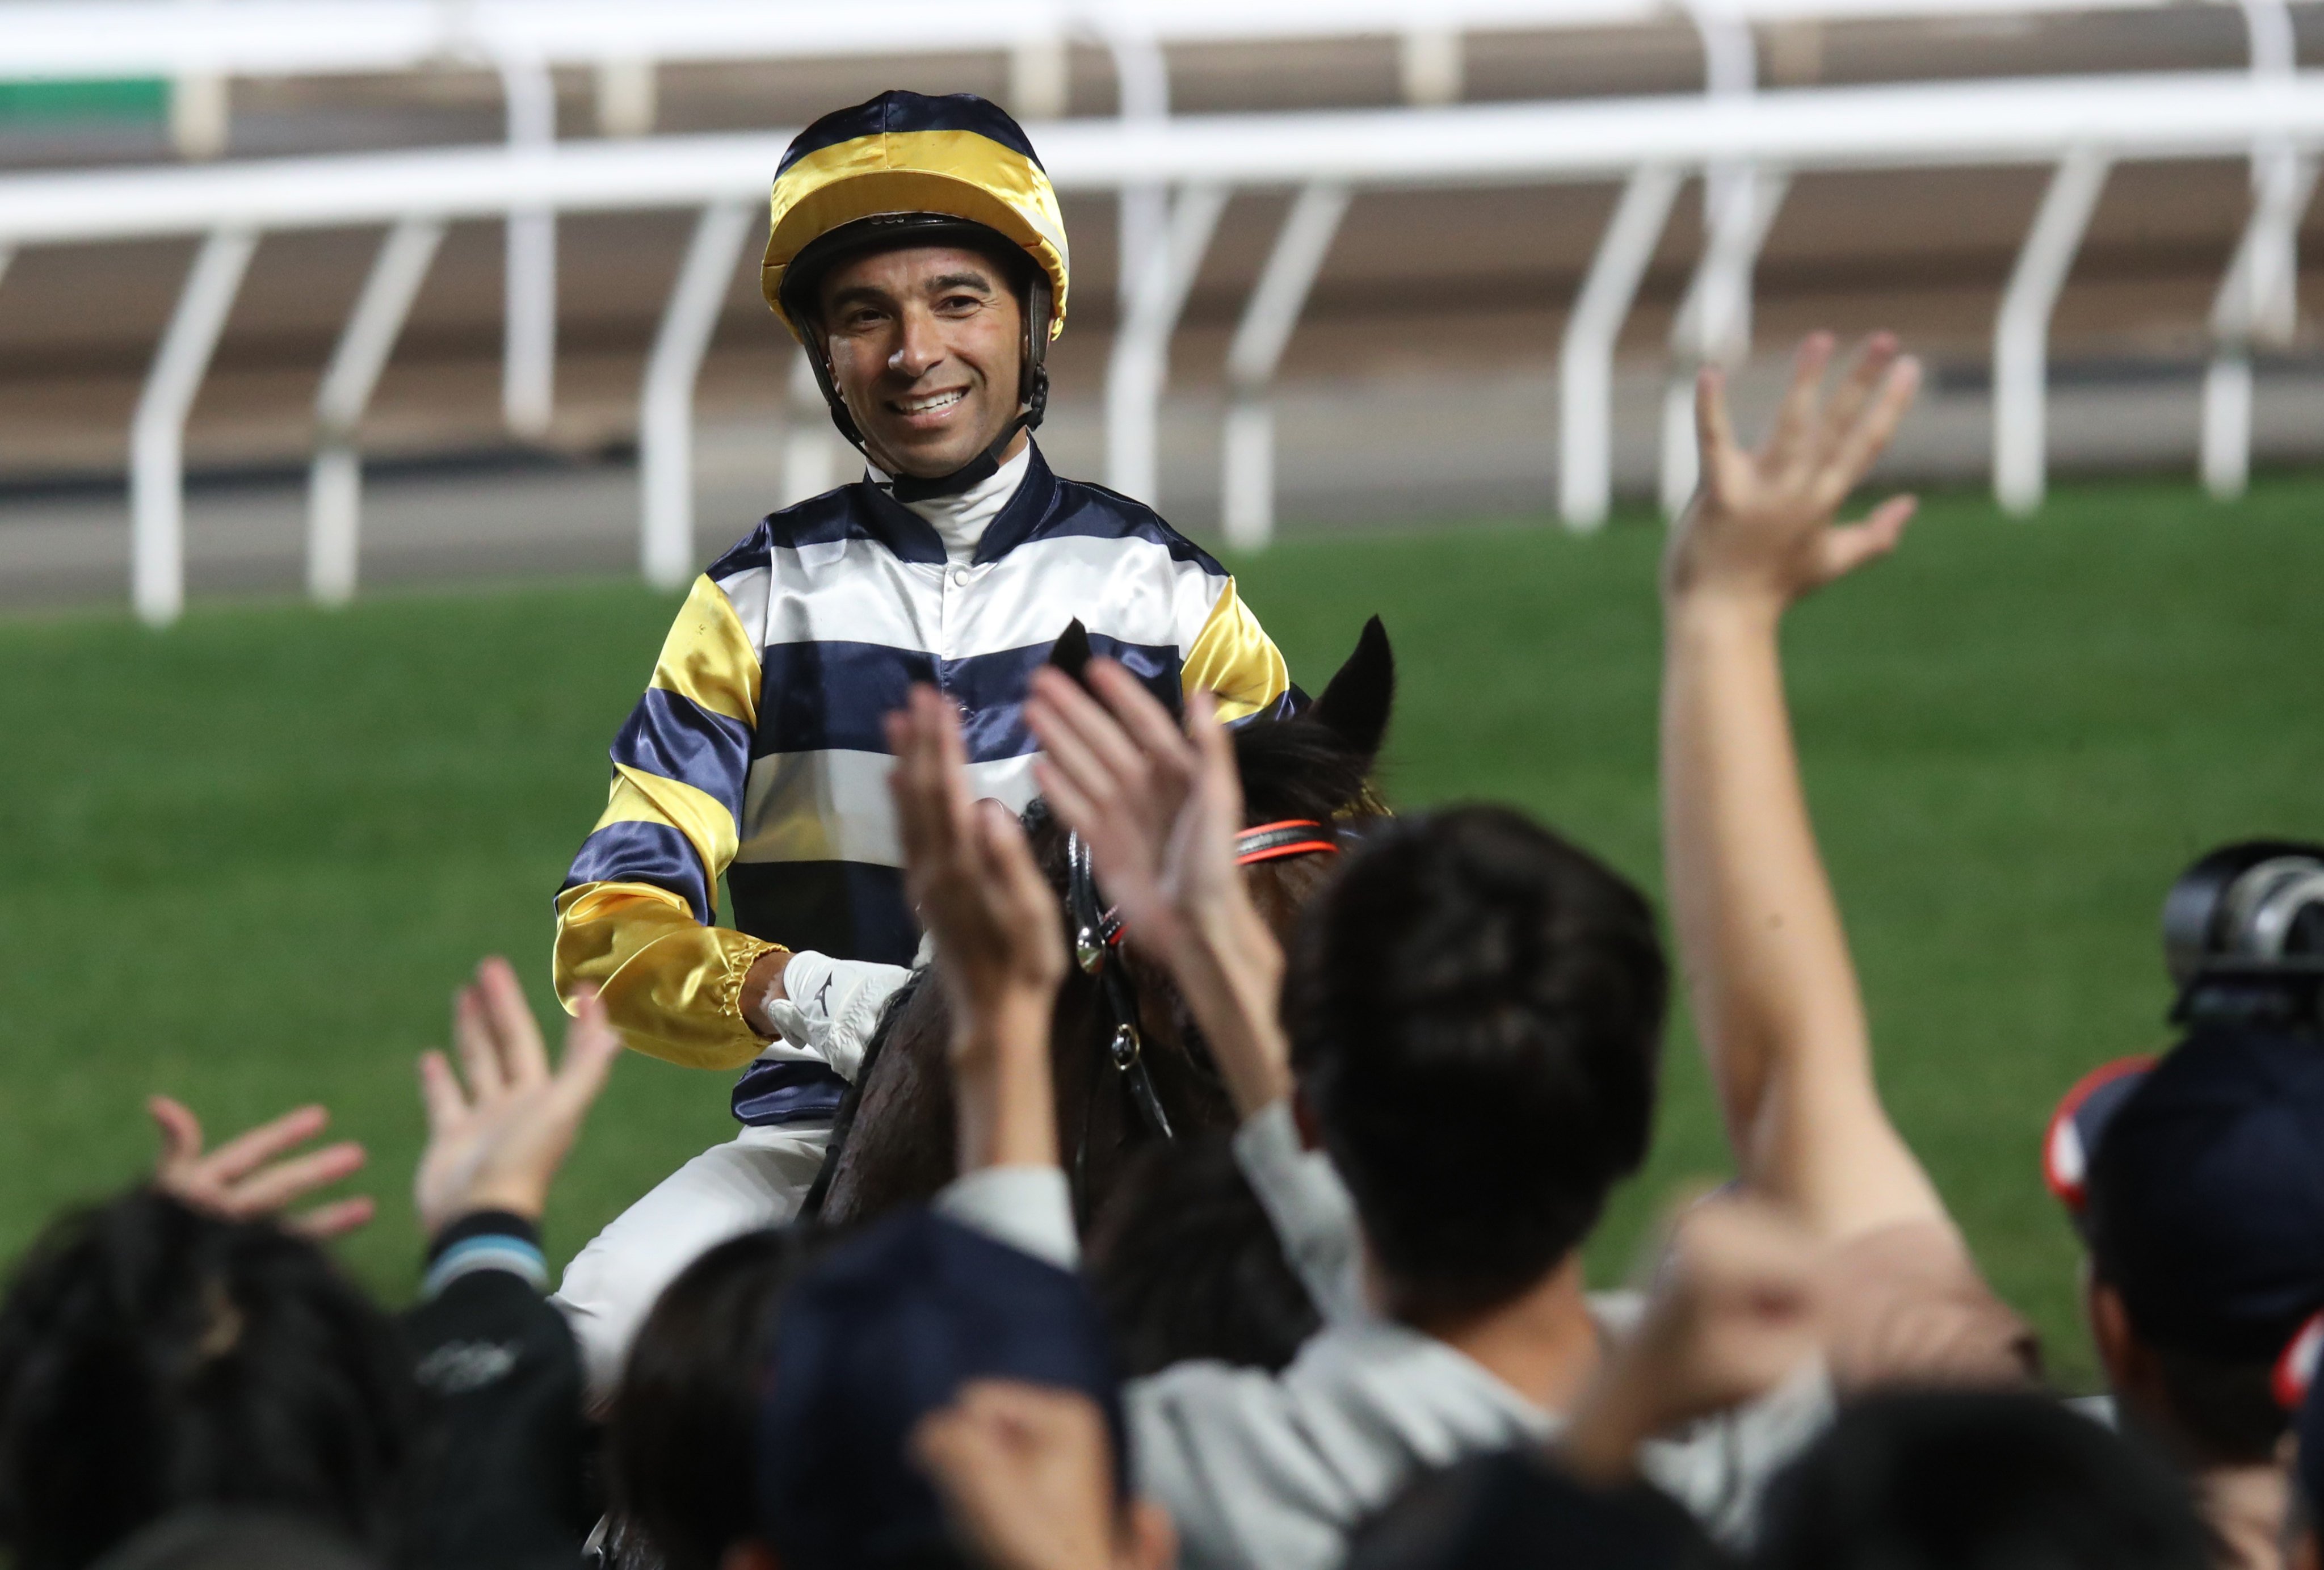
(969, 475)
(1033, 376)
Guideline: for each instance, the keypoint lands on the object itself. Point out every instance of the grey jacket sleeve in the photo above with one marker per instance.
(1029, 1208)
(1309, 1204)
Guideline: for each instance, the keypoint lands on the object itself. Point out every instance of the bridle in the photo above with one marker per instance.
(1097, 935)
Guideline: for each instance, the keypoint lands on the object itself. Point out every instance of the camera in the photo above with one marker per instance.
(2242, 932)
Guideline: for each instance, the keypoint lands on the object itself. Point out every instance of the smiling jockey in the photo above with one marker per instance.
(918, 254)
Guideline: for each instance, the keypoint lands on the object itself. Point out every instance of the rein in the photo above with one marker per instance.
(1097, 931)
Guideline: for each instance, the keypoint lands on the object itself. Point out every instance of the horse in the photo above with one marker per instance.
(1129, 1067)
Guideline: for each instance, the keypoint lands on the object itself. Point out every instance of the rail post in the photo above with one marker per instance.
(1585, 355)
(528, 349)
(665, 415)
(157, 432)
(1247, 463)
(335, 478)
(2021, 332)
(2257, 304)
(1140, 366)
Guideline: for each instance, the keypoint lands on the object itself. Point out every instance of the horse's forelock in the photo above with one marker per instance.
(1297, 769)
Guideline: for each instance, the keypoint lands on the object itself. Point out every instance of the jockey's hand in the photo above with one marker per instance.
(255, 1174)
(497, 1144)
(1159, 808)
(1759, 532)
(999, 940)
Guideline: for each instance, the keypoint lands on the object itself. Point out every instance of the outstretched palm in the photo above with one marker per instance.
(1157, 807)
(1760, 527)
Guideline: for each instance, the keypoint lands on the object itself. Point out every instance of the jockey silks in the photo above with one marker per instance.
(757, 751)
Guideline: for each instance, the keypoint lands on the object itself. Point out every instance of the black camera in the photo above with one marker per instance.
(2243, 931)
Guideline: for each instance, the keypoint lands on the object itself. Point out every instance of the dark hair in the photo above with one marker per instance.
(1511, 1508)
(154, 1357)
(207, 1539)
(1962, 1479)
(1186, 1264)
(2223, 1411)
(1476, 1021)
(679, 1441)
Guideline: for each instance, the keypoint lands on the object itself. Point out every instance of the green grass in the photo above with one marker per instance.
(246, 861)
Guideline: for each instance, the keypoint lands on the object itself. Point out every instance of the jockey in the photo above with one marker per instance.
(918, 254)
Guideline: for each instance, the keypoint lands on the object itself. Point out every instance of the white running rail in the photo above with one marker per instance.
(2025, 121)
(262, 38)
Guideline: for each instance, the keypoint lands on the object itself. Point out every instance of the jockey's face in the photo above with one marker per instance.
(925, 347)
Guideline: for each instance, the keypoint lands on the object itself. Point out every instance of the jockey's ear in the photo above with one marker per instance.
(1071, 652)
(1361, 692)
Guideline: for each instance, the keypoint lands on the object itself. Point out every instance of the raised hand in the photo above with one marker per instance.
(1759, 531)
(967, 867)
(256, 1174)
(497, 1144)
(999, 939)
(1159, 809)
(1027, 1476)
(1735, 1308)
(1774, 991)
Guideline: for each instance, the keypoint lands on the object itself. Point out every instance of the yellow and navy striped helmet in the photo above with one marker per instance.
(903, 155)
(906, 169)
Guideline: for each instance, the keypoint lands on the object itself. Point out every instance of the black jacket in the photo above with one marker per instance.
(501, 1482)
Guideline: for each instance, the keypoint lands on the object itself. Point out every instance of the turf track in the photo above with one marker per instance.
(247, 859)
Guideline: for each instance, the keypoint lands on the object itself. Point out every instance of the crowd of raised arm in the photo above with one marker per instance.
(1436, 1084)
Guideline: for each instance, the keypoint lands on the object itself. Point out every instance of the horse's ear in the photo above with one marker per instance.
(1071, 652)
(1361, 692)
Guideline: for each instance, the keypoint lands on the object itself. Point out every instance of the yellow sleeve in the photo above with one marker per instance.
(672, 986)
(1233, 657)
(636, 917)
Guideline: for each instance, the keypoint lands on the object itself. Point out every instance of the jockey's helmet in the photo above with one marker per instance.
(906, 169)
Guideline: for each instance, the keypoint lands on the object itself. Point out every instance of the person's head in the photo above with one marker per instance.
(2197, 1182)
(1187, 1265)
(207, 1538)
(1516, 1506)
(678, 1440)
(2303, 1543)
(2201, 1198)
(154, 1357)
(1476, 1011)
(1977, 1481)
(918, 253)
(884, 1329)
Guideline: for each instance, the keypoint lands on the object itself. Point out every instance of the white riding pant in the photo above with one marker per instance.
(755, 1180)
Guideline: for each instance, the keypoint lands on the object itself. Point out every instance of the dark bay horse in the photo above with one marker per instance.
(895, 1142)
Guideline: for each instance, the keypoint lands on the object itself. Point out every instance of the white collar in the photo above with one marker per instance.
(960, 521)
